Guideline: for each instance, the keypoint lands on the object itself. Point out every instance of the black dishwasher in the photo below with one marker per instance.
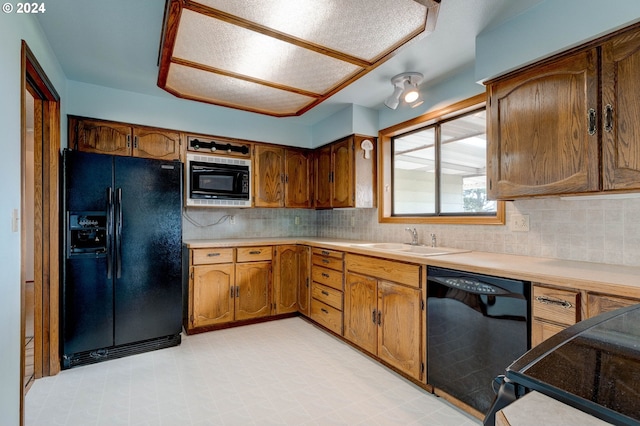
(477, 325)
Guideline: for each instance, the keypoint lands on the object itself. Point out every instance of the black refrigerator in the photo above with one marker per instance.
(121, 290)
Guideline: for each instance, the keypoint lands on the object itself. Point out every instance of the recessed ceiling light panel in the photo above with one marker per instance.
(281, 57)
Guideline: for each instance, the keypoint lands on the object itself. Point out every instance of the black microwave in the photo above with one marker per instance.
(218, 181)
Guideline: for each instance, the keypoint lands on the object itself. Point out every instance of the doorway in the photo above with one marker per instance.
(39, 219)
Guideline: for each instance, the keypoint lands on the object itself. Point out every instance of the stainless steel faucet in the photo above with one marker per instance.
(433, 240)
(414, 236)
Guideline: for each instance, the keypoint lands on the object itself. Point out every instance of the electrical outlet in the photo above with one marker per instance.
(520, 223)
(296, 220)
(232, 220)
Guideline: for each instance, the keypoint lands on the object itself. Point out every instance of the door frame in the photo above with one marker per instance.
(46, 218)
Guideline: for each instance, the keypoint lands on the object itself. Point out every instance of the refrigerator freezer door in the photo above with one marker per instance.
(87, 293)
(148, 289)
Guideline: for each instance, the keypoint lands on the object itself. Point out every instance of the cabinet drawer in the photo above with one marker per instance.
(327, 316)
(328, 253)
(560, 306)
(390, 270)
(328, 295)
(327, 277)
(541, 331)
(254, 254)
(328, 262)
(209, 256)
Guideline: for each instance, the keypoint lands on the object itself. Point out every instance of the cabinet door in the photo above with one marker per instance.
(269, 176)
(297, 179)
(400, 328)
(360, 311)
(621, 127)
(322, 177)
(211, 294)
(253, 281)
(600, 303)
(286, 278)
(541, 140)
(304, 281)
(103, 137)
(156, 143)
(342, 174)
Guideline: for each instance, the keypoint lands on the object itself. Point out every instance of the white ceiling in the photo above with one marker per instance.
(115, 44)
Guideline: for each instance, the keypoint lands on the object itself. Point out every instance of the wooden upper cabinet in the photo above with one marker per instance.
(156, 143)
(100, 137)
(269, 176)
(344, 176)
(108, 137)
(322, 177)
(621, 111)
(297, 172)
(542, 123)
(281, 177)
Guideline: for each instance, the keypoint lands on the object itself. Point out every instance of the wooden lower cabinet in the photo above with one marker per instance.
(385, 318)
(304, 283)
(253, 282)
(553, 310)
(210, 294)
(600, 303)
(287, 275)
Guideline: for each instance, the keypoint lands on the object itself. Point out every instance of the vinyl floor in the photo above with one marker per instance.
(285, 372)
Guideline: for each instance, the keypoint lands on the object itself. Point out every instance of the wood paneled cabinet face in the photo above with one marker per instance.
(553, 310)
(539, 140)
(304, 281)
(281, 177)
(287, 278)
(344, 176)
(384, 318)
(107, 137)
(621, 116)
(569, 125)
(211, 295)
(253, 284)
(600, 303)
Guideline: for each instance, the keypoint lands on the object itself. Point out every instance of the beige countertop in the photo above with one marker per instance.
(624, 280)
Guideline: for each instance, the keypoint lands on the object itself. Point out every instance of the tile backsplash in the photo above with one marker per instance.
(604, 231)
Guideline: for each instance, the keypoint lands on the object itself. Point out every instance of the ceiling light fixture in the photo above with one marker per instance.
(405, 87)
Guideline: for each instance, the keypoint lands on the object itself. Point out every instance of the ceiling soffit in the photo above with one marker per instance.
(281, 57)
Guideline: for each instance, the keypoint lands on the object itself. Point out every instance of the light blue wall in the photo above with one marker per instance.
(548, 28)
(173, 113)
(13, 29)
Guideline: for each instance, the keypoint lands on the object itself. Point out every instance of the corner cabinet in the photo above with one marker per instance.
(288, 266)
(345, 174)
(281, 177)
(108, 137)
(569, 125)
(384, 311)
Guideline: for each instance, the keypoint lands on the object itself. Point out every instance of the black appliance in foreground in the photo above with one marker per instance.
(121, 290)
(593, 366)
(476, 326)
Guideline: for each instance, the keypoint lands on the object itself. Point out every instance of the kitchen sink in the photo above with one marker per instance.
(408, 248)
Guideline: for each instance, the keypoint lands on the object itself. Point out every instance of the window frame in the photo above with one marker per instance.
(385, 168)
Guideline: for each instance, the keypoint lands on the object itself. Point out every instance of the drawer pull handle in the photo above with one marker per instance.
(324, 310)
(326, 293)
(549, 301)
(255, 252)
(213, 254)
(325, 260)
(325, 275)
(325, 253)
